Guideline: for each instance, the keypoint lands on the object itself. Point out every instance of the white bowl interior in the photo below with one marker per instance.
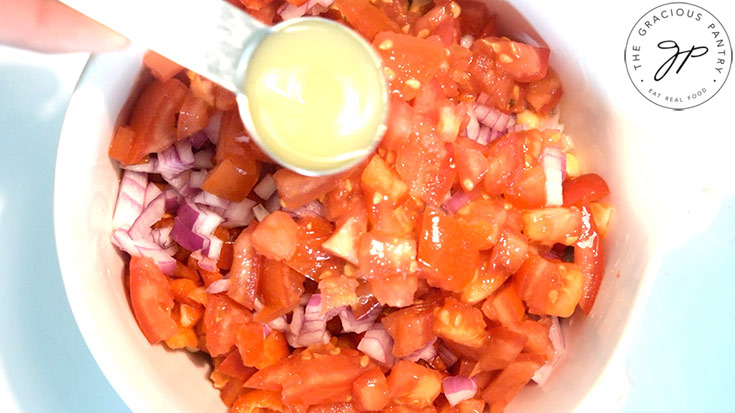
(150, 378)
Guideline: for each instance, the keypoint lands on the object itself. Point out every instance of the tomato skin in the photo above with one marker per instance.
(245, 271)
(411, 329)
(506, 385)
(233, 178)
(345, 241)
(280, 288)
(151, 299)
(371, 390)
(460, 323)
(446, 253)
(309, 257)
(588, 256)
(249, 340)
(409, 59)
(414, 385)
(549, 226)
(275, 237)
(222, 317)
(550, 287)
(389, 264)
(585, 188)
(124, 147)
(543, 95)
(367, 19)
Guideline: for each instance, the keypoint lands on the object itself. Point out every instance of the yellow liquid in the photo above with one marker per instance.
(316, 96)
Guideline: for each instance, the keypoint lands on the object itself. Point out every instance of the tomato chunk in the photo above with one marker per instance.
(484, 219)
(233, 178)
(550, 287)
(585, 188)
(161, 68)
(414, 385)
(501, 349)
(371, 390)
(543, 95)
(523, 62)
(309, 257)
(588, 256)
(411, 329)
(281, 288)
(151, 299)
(222, 318)
(366, 18)
(460, 323)
(245, 271)
(389, 264)
(506, 385)
(275, 237)
(257, 400)
(549, 226)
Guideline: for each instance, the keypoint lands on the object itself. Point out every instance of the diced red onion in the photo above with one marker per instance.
(457, 201)
(148, 167)
(130, 199)
(352, 325)
(314, 329)
(493, 118)
(170, 162)
(467, 40)
(203, 262)
(288, 11)
(179, 182)
(279, 324)
(203, 159)
(273, 204)
(211, 200)
(196, 178)
(483, 98)
(186, 154)
(541, 376)
(144, 248)
(473, 127)
(173, 199)
(219, 286)
(458, 389)
(260, 212)
(214, 248)
(313, 209)
(297, 321)
(553, 162)
(198, 139)
(212, 128)
(446, 355)
(199, 219)
(266, 187)
(162, 237)
(150, 215)
(238, 214)
(266, 330)
(378, 345)
(484, 135)
(317, 10)
(426, 352)
(151, 192)
(187, 238)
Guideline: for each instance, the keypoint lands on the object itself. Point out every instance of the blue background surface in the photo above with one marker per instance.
(681, 358)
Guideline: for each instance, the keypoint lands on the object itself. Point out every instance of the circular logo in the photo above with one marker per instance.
(678, 55)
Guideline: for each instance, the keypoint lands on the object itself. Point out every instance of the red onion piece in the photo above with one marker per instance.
(203, 159)
(238, 214)
(214, 248)
(162, 237)
(288, 11)
(210, 200)
(212, 128)
(483, 98)
(427, 352)
(179, 182)
(219, 286)
(150, 215)
(144, 248)
(457, 201)
(199, 219)
(458, 389)
(130, 199)
(484, 135)
(351, 325)
(378, 345)
(313, 208)
(314, 329)
(297, 321)
(279, 324)
(196, 178)
(198, 139)
(273, 204)
(260, 212)
(151, 192)
(170, 162)
(266, 187)
(187, 238)
(553, 162)
(173, 199)
(446, 355)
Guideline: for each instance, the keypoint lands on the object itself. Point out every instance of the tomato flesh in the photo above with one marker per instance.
(151, 299)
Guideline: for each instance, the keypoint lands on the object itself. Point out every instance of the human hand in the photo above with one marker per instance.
(50, 26)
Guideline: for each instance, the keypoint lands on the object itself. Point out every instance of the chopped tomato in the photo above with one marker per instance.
(505, 306)
(506, 385)
(151, 299)
(413, 385)
(487, 279)
(523, 62)
(472, 164)
(249, 342)
(484, 220)
(275, 237)
(544, 94)
(275, 349)
(511, 250)
(585, 188)
(161, 68)
(309, 257)
(337, 291)
(425, 164)
(380, 183)
(460, 322)
(245, 271)
(447, 253)
(222, 317)
(345, 240)
(538, 336)
(529, 190)
(473, 17)
(233, 366)
(371, 390)
(399, 124)
(280, 288)
(409, 62)
(505, 159)
(501, 349)
(258, 400)
(232, 138)
(297, 190)
(233, 178)
(193, 117)
(588, 256)
(550, 287)
(366, 18)
(549, 226)
(411, 329)
(389, 264)
(441, 21)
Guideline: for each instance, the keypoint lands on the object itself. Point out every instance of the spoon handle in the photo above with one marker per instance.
(209, 37)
